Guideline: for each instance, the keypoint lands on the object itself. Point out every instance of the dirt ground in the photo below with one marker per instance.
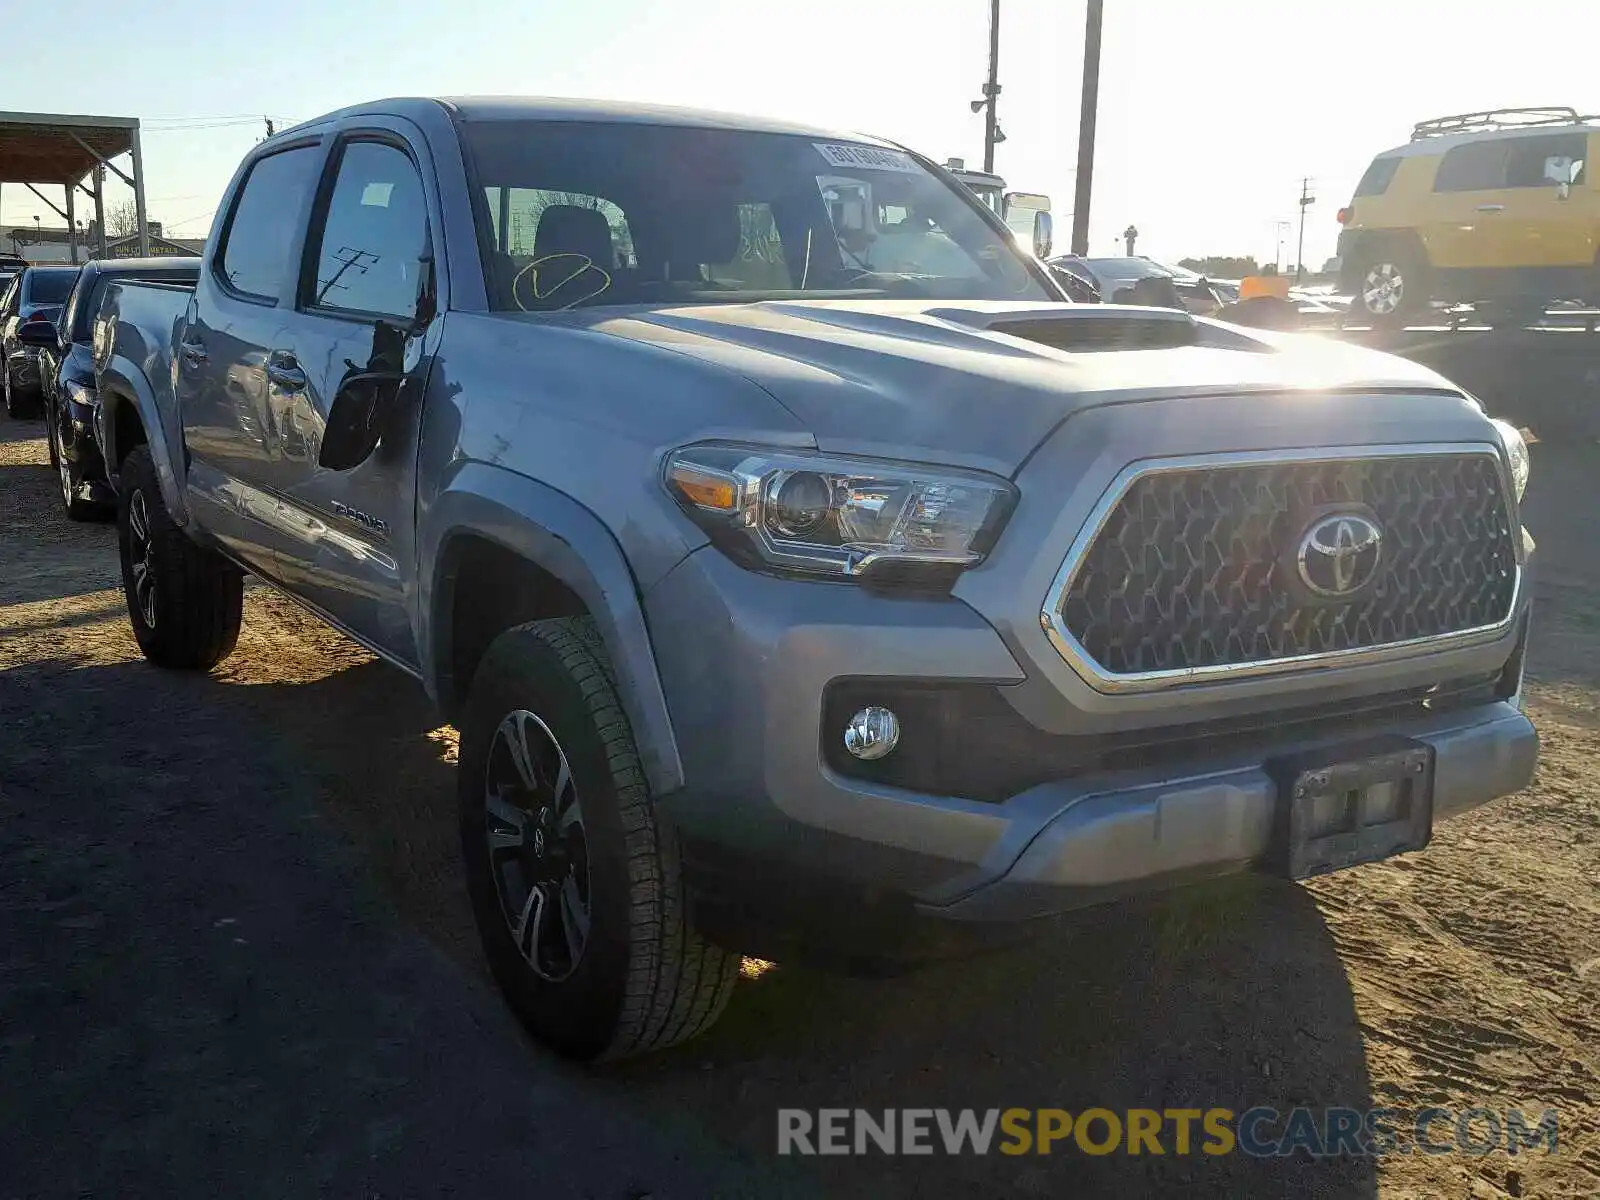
(145, 1023)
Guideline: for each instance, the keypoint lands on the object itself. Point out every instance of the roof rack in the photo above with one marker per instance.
(1497, 118)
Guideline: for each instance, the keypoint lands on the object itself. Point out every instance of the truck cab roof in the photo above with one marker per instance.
(560, 108)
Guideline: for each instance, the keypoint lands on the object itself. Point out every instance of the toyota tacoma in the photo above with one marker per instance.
(802, 572)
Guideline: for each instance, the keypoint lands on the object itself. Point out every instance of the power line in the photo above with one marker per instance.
(148, 121)
(190, 220)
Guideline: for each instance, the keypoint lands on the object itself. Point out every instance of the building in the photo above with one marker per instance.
(45, 244)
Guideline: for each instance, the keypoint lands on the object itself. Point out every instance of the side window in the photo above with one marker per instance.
(76, 303)
(1378, 177)
(264, 220)
(1547, 161)
(374, 235)
(1475, 167)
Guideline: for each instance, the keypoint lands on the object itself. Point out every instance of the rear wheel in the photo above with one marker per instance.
(1390, 286)
(576, 887)
(184, 602)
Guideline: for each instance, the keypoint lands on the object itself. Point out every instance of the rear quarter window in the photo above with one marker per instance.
(1475, 167)
(1378, 176)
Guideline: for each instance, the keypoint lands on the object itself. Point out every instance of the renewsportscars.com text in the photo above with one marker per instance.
(1260, 1132)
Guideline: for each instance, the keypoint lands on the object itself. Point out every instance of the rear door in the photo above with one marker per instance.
(1466, 226)
(351, 546)
(240, 309)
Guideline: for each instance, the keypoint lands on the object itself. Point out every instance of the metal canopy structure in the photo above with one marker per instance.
(63, 150)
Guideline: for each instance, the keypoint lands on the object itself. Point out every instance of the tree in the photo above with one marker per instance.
(1215, 266)
(122, 220)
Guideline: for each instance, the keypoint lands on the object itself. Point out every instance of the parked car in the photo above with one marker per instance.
(1493, 208)
(846, 612)
(34, 297)
(66, 370)
(1146, 282)
(1075, 279)
(10, 268)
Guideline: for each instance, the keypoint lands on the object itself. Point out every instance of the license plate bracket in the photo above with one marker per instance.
(1351, 804)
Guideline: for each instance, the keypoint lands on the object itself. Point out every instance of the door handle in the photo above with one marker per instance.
(193, 353)
(284, 371)
(1491, 208)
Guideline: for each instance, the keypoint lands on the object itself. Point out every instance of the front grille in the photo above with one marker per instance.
(1194, 568)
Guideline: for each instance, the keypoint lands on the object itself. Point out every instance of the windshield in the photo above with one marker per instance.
(50, 287)
(583, 214)
(1128, 268)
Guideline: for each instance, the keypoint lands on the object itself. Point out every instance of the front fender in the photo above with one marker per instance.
(556, 533)
(121, 382)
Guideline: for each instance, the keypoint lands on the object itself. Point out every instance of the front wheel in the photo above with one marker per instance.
(576, 886)
(185, 603)
(16, 406)
(78, 506)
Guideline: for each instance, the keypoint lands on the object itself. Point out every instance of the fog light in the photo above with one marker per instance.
(872, 733)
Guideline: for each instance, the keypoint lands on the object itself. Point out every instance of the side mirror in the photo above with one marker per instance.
(1043, 234)
(360, 409)
(38, 333)
(361, 406)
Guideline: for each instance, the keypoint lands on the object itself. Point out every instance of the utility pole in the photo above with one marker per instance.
(1283, 231)
(1130, 235)
(1306, 201)
(1086, 119)
(992, 136)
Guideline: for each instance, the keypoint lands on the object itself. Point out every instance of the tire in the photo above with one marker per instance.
(184, 602)
(617, 968)
(77, 508)
(1391, 286)
(17, 408)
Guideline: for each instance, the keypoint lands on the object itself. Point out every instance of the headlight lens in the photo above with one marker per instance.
(822, 514)
(79, 394)
(1517, 453)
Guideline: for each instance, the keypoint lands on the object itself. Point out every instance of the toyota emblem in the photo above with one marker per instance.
(1339, 555)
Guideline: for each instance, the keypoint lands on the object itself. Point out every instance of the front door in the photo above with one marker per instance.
(351, 533)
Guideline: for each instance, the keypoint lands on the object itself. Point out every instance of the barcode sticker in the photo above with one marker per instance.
(871, 158)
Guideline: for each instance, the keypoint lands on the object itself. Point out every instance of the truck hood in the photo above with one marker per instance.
(982, 383)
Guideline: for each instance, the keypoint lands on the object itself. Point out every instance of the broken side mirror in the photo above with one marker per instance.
(367, 394)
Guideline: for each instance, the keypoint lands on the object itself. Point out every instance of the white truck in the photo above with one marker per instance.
(1016, 209)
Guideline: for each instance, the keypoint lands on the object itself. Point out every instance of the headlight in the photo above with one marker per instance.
(821, 514)
(1517, 453)
(79, 394)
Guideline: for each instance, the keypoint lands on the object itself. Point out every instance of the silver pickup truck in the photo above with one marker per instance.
(802, 573)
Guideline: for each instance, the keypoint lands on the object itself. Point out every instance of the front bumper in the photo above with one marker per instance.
(747, 662)
(1093, 840)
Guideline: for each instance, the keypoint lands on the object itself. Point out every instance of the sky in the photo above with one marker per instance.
(1211, 113)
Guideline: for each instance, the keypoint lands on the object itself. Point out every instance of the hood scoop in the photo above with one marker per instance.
(1103, 328)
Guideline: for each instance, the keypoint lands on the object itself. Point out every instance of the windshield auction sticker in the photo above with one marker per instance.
(870, 158)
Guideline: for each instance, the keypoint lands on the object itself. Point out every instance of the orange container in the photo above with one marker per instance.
(1264, 285)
